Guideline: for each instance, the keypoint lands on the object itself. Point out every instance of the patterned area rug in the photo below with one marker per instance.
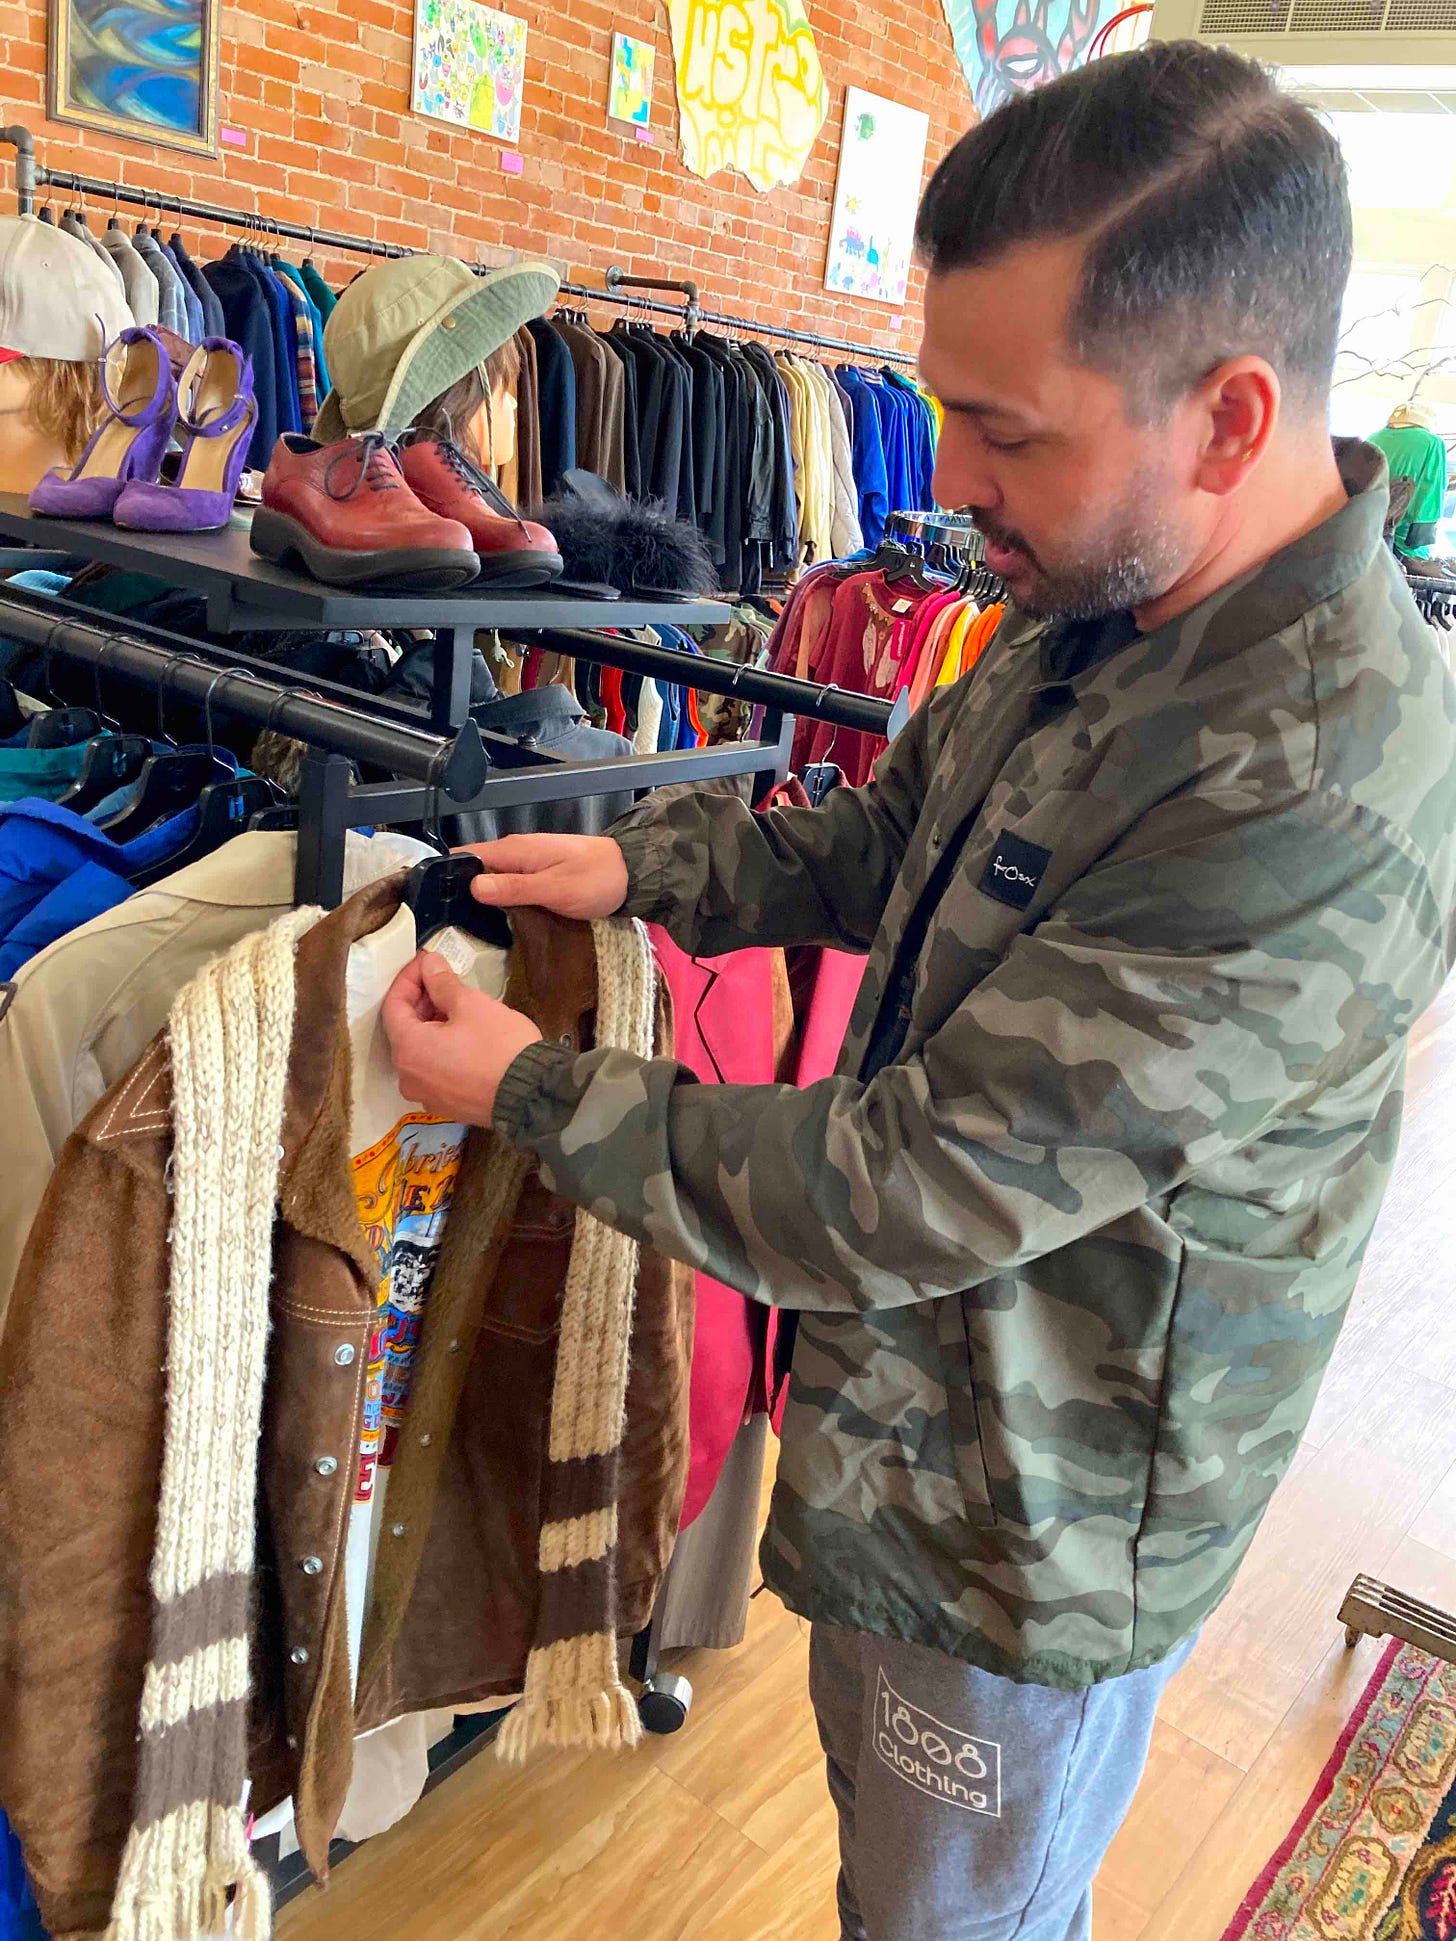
(1373, 1855)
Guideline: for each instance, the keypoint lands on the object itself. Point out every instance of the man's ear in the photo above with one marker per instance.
(1238, 406)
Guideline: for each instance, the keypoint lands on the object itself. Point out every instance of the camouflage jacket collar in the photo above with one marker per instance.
(1145, 673)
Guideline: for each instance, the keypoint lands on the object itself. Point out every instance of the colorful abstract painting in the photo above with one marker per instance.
(470, 66)
(143, 68)
(631, 93)
(1008, 46)
(750, 89)
(881, 161)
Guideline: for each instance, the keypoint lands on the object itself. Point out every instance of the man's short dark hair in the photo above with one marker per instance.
(1216, 211)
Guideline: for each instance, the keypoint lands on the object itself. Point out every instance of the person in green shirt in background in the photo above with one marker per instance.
(1413, 451)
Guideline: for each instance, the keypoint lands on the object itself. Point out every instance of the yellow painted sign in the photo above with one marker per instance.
(749, 86)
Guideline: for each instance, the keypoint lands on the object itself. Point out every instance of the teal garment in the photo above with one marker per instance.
(322, 295)
(47, 772)
(1412, 452)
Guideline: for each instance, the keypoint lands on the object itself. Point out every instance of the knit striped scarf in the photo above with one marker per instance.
(186, 1858)
(573, 1694)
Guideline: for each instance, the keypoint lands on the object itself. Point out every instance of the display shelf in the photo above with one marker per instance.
(244, 592)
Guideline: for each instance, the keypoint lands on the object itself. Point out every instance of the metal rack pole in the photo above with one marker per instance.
(843, 707)
(457, 766)
(29, 174)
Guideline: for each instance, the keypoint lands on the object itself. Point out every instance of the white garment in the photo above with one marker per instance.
(848, 537)
(649, 719)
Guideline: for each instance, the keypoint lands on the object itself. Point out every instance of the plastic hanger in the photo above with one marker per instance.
(224, 808)
(112, 760)
(438, 892)
(168, 782)
(281, 814)
(61, 726)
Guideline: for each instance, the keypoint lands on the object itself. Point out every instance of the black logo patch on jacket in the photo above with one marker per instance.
(1015, 870)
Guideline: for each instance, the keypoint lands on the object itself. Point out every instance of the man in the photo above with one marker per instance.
(1151, 901)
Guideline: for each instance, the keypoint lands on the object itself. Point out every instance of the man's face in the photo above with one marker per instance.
(1085, 511)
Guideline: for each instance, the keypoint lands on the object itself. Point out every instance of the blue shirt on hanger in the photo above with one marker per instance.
(870, 475)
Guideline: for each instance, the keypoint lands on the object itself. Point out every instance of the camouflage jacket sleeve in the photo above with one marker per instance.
(719, 877)
(1216, 967)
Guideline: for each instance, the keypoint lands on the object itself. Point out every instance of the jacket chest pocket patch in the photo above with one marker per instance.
(959, 1377)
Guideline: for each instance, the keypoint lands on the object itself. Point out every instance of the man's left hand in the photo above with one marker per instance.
(452, 1046)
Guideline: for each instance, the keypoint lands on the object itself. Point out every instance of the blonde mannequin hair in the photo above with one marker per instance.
(454, 413)
(65, 404)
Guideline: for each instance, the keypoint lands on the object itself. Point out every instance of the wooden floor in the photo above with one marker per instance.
(724, 1833)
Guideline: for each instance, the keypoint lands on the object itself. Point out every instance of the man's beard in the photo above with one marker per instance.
(1136, 557)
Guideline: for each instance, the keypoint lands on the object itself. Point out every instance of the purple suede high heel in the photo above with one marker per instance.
(216, 411)
(136, 382)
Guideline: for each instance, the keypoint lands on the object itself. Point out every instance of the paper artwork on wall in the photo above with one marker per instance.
(750, 89)
(470, 66)
(881, 161)
(1008, 46)
(631, 93)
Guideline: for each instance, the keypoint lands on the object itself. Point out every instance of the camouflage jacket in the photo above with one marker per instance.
(1071, 1264)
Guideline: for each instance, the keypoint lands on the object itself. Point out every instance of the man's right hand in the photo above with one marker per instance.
(576, 876)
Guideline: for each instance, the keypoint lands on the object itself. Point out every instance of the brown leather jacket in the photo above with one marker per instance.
(454, 1598)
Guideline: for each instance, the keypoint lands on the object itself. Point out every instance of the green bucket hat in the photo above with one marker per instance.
(406, 330)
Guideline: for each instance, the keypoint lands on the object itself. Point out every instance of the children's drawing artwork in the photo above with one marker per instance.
(1008, 46)
(631, 95)
(750, 88)
(470, 66)
(881, 161)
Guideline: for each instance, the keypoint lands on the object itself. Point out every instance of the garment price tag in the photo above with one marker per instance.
(903, 606)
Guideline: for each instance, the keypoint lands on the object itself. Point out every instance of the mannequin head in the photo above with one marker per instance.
(48, 409)
(60, 305)
(478, 412)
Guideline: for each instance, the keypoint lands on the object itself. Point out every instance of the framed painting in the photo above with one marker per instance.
(143, 68)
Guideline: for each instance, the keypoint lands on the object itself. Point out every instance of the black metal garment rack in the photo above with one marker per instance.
(620, 288)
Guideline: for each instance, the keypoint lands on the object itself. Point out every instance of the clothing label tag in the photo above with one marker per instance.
(1015, 870)
(457, 950)
(903, 606)
(936, 1758)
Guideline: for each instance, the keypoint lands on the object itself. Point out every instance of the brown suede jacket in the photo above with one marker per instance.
(454, 1601)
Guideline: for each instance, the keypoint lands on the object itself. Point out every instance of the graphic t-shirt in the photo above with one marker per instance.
(405, 1165)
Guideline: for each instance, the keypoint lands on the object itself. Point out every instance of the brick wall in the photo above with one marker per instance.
(322, 92)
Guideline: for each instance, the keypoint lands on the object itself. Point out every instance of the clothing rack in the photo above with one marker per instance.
(32, 174)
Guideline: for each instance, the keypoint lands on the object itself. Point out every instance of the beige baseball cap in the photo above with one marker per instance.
(57, 298)
(406, 330)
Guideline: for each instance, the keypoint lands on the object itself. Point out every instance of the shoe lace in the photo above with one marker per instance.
(373, 457)
(475, 480)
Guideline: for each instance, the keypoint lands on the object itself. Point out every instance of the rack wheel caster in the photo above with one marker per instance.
(665, 1702)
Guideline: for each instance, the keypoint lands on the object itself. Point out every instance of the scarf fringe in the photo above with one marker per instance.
(574, 1701)
(182, 1876)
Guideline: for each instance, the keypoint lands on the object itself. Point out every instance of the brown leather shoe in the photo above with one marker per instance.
(346, 514)
(513, 551)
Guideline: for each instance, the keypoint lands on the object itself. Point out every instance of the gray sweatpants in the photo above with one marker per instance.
(970, 1808)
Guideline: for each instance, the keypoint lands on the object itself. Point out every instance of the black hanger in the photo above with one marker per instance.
(111, 762)
(61, 726)
(224, 808)
(438, 891)
(168, 782)
(12, 715)
(900, 562)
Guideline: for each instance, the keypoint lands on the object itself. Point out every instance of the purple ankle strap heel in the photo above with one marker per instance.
(217, 410)
(141, 401)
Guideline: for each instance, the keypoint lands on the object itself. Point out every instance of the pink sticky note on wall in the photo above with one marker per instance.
(233, 137)
(511, 163)
(645, 135)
